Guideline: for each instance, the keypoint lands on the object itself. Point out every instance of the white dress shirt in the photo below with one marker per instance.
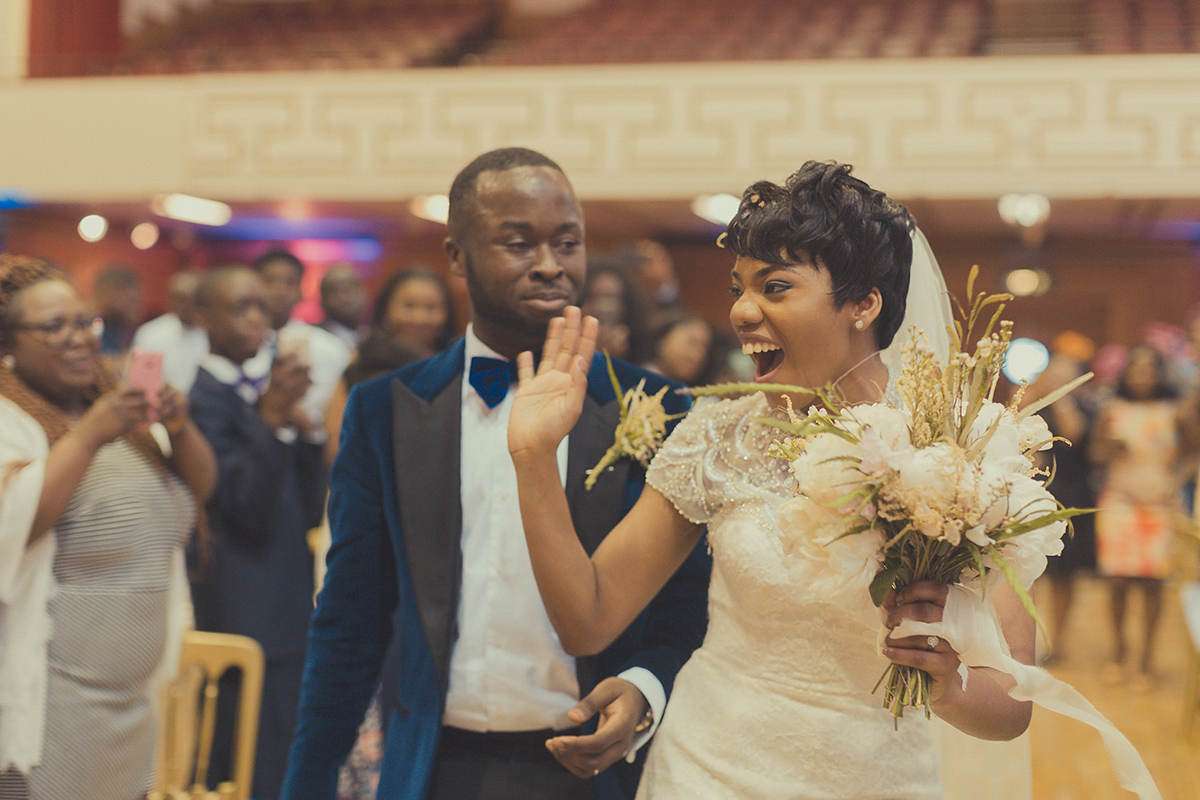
(508, 671)
(183, 348)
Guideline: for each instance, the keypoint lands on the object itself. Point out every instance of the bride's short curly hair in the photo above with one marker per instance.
(825, 216)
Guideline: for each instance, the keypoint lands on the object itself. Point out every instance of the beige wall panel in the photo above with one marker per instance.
(1124, 126)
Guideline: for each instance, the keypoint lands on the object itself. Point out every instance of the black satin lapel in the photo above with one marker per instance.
(426, 451)
(597, 510)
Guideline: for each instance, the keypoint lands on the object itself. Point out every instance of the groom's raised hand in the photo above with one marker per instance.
(621, 707)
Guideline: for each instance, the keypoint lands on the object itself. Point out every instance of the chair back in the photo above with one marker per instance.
(190, 716)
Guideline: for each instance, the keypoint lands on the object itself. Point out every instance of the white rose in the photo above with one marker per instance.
(853, 562)
(827, 470)
(805, 527)
(1034, 432)
(1004, 445)
(884, 436)
(1028, 500)
(937, 485)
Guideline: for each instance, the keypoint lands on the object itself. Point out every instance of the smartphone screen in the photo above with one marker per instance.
(145, 373)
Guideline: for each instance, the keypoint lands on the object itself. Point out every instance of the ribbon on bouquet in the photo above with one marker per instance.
(971, 627)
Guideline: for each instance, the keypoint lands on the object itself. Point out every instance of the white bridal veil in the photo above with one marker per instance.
(927, 313)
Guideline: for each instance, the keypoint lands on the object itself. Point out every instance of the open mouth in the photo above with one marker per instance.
(767, 357)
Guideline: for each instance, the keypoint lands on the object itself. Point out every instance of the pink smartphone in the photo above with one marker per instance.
(145, 373)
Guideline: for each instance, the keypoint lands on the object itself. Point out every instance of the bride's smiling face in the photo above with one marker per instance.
(785, 317)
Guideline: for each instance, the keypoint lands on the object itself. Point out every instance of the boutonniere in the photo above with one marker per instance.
(641, 429)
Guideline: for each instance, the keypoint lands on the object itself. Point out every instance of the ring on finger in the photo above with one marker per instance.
(931, 643)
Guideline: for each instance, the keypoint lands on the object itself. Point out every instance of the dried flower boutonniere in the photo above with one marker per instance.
(641, 429)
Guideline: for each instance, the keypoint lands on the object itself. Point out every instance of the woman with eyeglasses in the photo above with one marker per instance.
(94, 516)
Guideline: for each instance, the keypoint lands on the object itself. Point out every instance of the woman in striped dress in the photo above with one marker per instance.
(93, 520)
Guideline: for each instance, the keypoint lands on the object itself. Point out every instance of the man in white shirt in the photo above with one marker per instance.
(429, 587)
(325, 354)
(343, 300)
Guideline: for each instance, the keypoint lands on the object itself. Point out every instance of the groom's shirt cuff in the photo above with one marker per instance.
(651, 688)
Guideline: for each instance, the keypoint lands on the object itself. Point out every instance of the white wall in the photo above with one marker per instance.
(1119, 126)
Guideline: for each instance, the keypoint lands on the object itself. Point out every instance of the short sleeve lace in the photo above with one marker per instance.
(717, 457)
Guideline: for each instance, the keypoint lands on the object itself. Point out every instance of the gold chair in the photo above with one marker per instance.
(189, 718)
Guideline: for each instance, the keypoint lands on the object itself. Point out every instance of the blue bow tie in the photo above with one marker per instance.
(491, 378)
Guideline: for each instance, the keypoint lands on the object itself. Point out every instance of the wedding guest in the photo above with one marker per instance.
(176, 334)
(93, 522)
(342, 301)
(116, 298)
(655, 269)
(414, 305)
(325, 355)
(1139, 439)
(1069, 417)
(617, 302)
(682, 346)
(270, 493)
(429, 588)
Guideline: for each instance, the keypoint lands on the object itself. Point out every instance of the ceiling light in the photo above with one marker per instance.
(719, 209)
(1027, 282)
(144, 235)
(186, 208)
(1024, 210)
(433, 207)
(93, 227)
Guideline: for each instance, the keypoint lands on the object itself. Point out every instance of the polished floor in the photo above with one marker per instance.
(1069, 760)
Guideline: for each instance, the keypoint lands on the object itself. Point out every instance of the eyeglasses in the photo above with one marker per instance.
(58, 330)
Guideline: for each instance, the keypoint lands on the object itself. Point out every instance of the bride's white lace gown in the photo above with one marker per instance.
(777, 702)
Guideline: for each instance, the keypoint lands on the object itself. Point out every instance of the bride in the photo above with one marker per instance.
(777, 702)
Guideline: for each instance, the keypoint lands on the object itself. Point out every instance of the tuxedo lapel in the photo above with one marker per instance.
(427, 455)
(597, 510)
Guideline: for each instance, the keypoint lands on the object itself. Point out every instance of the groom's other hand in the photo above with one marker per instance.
(621, 707)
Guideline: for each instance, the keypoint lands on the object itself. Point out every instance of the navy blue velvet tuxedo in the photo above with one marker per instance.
(387, 612)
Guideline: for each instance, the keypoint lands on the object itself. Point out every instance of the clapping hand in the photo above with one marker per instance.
(549, 401)
(924, 601)
(279, 405)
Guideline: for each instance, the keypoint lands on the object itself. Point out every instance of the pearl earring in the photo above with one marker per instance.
(8, 361)
(859, 324)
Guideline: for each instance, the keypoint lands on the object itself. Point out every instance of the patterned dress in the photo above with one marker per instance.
(1141, 496)
(116, 541)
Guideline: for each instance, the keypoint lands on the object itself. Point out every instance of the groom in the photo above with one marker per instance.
(429, 592)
